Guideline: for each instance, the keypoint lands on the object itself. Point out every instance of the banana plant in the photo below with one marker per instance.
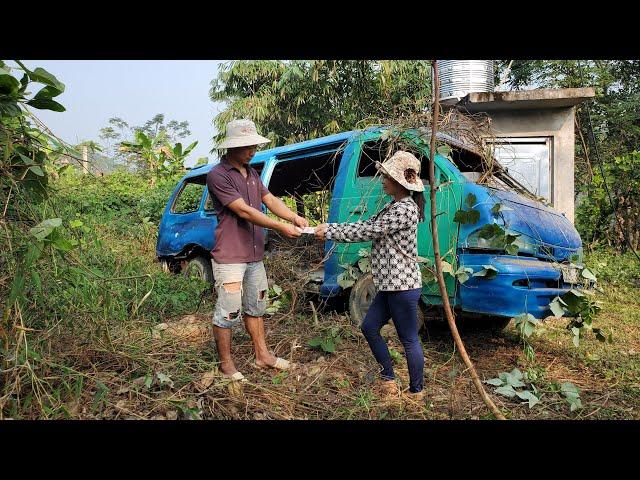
(157, 155)
(172, 160)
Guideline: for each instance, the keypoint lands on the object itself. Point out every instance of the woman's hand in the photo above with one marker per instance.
(321, 231)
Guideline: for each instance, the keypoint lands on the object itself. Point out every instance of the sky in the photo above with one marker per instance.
(134, 90)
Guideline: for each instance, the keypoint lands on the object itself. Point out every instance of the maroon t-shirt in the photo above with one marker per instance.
(237, 240)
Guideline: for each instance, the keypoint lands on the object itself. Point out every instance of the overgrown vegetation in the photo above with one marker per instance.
(92, 327)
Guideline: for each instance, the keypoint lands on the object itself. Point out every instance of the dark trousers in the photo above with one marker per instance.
(402, 308)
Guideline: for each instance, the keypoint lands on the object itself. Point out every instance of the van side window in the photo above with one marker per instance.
(188, 199)
(379, 151)
(305, 182)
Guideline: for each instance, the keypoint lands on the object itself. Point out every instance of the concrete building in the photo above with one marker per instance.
(534, 137)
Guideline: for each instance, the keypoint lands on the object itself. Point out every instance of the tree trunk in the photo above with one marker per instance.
(436, 253)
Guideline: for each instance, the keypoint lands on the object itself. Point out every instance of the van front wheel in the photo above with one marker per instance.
(361, 297)
(199, 267)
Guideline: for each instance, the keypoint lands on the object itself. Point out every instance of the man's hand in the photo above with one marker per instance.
(321, 231)
(289, 231)
(299, 221)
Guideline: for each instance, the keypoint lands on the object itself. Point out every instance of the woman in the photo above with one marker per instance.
(394, 266)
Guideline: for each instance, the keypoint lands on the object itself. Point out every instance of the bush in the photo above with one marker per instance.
(613, 268)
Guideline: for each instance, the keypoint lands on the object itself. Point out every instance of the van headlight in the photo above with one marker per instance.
(525, 243)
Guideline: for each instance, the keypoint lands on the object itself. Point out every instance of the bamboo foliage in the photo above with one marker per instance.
(292, 101)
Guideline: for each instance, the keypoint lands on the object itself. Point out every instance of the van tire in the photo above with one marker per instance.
(497, 324)
(201, 267)
(362, 295)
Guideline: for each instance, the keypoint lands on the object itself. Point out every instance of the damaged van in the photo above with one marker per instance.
(506, 253)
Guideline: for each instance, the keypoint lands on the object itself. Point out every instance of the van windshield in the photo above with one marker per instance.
(474, 168)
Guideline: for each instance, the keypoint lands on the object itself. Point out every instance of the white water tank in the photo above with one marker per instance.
(460, 77)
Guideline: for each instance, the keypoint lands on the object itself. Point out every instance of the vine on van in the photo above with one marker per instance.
(470, 216)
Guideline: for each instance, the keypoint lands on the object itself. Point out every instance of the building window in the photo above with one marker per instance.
(528, 160)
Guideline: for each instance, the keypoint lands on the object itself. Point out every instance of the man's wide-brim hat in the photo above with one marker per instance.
(404, 168)
(242, 133)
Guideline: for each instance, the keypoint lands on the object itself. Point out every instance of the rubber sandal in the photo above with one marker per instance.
(281, 364)
(236, 377)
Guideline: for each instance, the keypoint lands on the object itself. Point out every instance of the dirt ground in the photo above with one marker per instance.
(341, 385)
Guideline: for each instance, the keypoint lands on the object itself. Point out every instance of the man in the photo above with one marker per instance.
(240, 278)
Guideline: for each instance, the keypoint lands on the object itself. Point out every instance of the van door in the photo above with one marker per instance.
(187, 223)
(363, 197)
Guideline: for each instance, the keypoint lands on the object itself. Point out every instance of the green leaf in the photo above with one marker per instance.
(494, 381)
(46, 104)
(26, 160)
(466, 217)
(9, 85)
(471, 200)
(512, 249)
(446, 267)
(586, 273)
(527, 395)
(314, 342)
(40, 75)
(525, 323)
(528, 329)
(463, 274)
(499, 207)
(460, 217)
(507, 391)
(76, 223)
(37, 170)
(556, 307)
(165, 379)
(44, 229)
(444, 150)
(345, 282)
(599, 335)
(575, 403)
(62, 243)
(277, 289)
(490, 230)
(529, 353)
(364, 265)
(148, 380)
(488, 272)
(35, 277)
(473, 216)
(47, 92)
(328, 345)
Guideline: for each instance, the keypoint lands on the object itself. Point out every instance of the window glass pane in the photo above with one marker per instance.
(529, 164)
(189, 198)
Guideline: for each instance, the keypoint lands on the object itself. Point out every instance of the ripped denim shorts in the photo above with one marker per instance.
(241, 287)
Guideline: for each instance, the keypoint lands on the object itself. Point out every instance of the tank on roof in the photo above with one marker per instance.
(461, 77)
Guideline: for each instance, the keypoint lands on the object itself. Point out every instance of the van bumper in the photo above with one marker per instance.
(522, 285)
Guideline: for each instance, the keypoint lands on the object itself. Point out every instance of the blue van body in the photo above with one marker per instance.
(526, 282)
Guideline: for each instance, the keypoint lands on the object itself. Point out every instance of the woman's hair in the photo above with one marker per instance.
(418, 197)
